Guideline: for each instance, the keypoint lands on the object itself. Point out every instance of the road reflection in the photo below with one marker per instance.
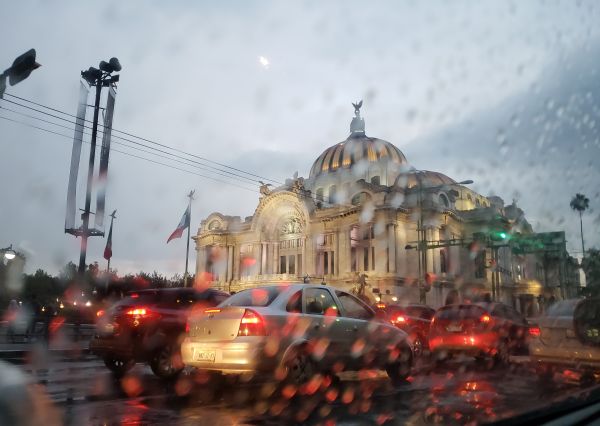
(455, 394)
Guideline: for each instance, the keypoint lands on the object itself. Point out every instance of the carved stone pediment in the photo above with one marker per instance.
(292, 225)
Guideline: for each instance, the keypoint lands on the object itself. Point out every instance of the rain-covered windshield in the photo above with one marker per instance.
(306, 212)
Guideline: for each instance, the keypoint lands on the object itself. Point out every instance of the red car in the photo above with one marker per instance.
(482, 330)
(414, 319)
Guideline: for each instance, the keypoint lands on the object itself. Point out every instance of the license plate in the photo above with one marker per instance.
(453, 328)
(204, 356)
(108, 328)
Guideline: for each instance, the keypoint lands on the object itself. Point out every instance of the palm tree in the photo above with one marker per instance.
(580, 203)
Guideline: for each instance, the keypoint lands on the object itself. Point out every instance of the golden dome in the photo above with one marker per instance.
(357, 148)
(428, 179)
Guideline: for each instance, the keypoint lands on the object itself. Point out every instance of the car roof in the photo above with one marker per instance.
(294, 286)
(174, 290)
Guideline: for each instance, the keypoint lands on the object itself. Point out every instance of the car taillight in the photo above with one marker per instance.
(187, 327)
(139, 312)
(251, 324)
(534, 331)
(100, 313)
(400, 320)
(485, 319)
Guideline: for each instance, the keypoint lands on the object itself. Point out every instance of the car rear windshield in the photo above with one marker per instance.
(160, 297)
(262, 296)
(460, 312)
(564, 308)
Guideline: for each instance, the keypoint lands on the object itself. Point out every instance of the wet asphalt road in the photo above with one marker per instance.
(459, 392)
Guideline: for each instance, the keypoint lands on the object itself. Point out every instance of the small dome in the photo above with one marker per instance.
(357, 148)
(427, 178)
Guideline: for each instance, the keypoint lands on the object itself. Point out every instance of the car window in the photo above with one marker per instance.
(454, 312)
(294, 304)
(354, 308)
(319, 301)
(219, 297)
(422, 312)
(499, 311)
(564, 308)
(261, 296)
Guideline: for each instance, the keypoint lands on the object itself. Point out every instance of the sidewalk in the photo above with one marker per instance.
(69, 341)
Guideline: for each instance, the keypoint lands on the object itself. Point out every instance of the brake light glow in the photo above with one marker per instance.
(485, 318)
(381, 305)
(401, 319)
(251, 324)
(212, 311)
(134, 296)
(100, 313)
(534, 331)
(187, 326)
(138, 312)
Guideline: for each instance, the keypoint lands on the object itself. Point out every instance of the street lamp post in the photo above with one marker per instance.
(99, 78)
(20, 69)
(9, 253)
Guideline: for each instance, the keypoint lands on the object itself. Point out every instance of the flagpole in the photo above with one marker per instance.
(187, 246)
(112, 218)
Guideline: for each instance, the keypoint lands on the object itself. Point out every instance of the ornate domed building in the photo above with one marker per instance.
(364, 215)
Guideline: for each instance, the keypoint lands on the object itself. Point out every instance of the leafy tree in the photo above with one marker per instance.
(580, 203)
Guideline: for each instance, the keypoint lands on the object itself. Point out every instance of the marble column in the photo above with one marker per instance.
(391, 234)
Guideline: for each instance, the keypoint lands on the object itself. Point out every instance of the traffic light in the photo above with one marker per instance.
(500, 229)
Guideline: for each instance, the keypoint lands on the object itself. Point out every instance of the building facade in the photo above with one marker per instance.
(364, 215)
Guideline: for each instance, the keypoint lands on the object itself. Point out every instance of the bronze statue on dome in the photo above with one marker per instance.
(357, 125)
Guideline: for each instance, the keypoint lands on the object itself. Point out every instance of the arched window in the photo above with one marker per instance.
(360, 198)
(375, 180)
(443, 261)
(320, 194)
(477, 203)
(332, 194)
(444, 200)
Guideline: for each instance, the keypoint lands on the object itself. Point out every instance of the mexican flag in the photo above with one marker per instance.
(183, 224)
(108, 248)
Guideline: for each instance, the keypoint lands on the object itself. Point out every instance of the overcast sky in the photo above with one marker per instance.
(504, 93)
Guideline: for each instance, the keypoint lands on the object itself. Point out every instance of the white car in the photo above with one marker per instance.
(294, 332)
(567, 336)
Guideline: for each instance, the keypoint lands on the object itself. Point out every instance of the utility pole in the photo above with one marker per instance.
(422, 243)
(187, 246)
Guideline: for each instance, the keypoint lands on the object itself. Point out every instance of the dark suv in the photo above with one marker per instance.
(146, 326)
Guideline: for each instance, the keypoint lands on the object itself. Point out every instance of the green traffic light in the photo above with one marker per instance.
(503, 235)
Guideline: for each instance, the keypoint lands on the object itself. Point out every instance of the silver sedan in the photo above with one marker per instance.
(294, 332)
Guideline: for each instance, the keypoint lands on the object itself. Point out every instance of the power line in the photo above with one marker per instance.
(128, 146)
(118, 137)
(301, 194)
(129, 154)
(146, 140)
